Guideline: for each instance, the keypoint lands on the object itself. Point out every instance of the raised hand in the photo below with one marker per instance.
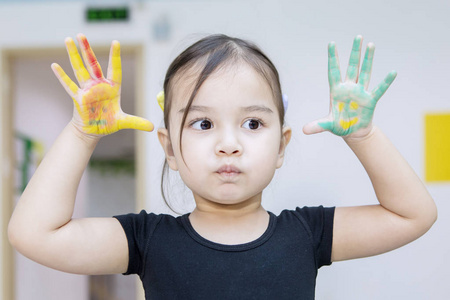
(97, 99)
(351, 104)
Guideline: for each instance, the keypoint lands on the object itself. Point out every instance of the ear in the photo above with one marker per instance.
(164, 139)
(286, 134)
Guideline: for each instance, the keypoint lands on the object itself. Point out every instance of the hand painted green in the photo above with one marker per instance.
(352, 106)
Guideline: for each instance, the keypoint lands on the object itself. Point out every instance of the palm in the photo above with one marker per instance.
(98, 109)
(97, 100)
(351, 109)
(351, 104)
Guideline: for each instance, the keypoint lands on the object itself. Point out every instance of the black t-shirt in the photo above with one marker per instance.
(175, 262)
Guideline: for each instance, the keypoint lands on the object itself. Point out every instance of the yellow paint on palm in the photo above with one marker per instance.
(97, 100)
(99, 109)
(347, 124)
(341, 108)
(354, 105)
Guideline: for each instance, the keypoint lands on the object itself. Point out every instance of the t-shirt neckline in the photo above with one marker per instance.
(230, 248)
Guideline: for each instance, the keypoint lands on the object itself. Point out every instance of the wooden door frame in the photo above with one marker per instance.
(7, 158)
(7, 171)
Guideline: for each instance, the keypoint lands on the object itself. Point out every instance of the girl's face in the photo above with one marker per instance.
(232, 140)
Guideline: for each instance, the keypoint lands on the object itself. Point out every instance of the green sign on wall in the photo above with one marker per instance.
(107, 14)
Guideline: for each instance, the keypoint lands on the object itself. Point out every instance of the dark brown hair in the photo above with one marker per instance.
(209, 55)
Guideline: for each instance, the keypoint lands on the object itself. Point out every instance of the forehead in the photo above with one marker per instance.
(231, 84)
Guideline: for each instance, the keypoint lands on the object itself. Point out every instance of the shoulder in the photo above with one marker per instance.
(314, 220)
(144, 215)
(308, 214)
(140, 229)
(317, 224)
(144, 222)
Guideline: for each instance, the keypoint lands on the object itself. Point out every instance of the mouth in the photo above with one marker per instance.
(228, 171)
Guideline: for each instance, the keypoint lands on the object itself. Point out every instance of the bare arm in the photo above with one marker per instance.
(406, 210)
(41, 226)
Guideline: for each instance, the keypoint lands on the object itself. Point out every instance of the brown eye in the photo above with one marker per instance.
(202, 125)
(252, 124)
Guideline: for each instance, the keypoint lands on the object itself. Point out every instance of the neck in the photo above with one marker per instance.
(244, 209)
(230, 223)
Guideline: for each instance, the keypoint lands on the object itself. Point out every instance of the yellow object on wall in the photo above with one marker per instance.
(437, 147)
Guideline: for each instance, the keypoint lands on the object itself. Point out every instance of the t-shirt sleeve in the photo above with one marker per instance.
(138, 229)
(319, 221)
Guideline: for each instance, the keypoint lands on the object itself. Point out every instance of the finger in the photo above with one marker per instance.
(355, 57)
(317, 126)
(70, 86)
(383, 86)
(366, 68)
(77, 64)
(334, 73)
(89, 57)
(133, 122)
(115, 63)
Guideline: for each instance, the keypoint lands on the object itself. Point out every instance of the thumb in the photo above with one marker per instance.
(134, 122)
(317, 126)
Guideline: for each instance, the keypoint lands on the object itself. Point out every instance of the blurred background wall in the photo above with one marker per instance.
(411, 37)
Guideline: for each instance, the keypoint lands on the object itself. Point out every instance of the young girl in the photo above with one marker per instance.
(225, 135)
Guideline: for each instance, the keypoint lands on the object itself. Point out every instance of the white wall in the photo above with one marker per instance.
(411, 37)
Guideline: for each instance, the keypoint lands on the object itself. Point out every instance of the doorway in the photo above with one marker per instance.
(38, 108)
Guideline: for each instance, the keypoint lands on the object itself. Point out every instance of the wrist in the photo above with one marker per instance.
(89, 140)
(357, 139)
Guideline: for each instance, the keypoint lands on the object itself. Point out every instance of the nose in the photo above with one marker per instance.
(228, 143)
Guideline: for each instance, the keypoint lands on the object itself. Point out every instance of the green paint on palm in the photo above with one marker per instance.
(348, 120)
(352, 106)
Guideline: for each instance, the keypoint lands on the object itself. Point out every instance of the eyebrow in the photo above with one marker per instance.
(195, 108)
(258, 108)
(251, 108)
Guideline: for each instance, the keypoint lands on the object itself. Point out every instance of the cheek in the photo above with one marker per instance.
(262, 163)
(264, 151)
(194, 152)
(272, 142)
(193, 165)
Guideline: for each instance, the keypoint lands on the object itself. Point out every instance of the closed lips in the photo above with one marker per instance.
(228, 170)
